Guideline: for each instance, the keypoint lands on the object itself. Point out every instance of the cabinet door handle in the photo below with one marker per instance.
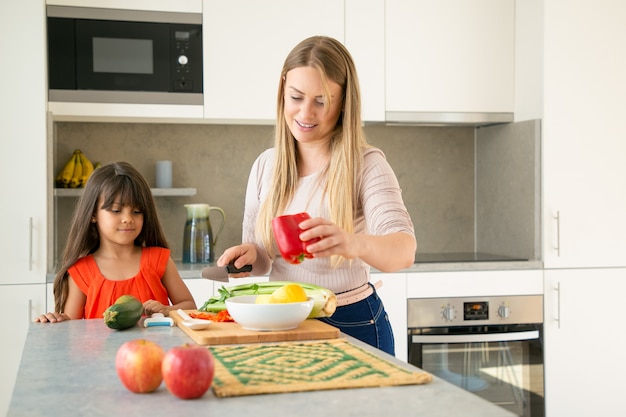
(558, 305)
(30, 243)
(557, 217)
(30, 310)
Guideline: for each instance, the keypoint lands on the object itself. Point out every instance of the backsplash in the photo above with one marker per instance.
(435, 168)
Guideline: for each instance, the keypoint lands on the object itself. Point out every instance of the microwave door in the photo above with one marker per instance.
(122, 56)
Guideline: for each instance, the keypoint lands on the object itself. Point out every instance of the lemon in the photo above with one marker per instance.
(263, 299)
(289, 293)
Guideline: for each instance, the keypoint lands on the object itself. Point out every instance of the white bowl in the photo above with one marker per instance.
(266, 317)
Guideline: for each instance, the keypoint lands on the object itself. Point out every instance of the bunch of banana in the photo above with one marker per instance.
(76, 171)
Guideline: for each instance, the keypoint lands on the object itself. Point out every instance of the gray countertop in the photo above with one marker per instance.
(194, 270)
(67, 369)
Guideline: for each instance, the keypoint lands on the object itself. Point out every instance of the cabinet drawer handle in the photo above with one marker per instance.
(30, 243)
(557, 217)
(558, 305)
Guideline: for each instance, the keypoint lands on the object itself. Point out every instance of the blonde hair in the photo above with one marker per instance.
(333, 62)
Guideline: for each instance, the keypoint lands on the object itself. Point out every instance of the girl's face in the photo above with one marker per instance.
(307, 117)
(119, 224)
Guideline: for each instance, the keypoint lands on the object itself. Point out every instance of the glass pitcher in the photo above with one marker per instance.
(198, 239)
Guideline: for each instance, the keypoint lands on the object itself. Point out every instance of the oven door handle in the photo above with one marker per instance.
(469, 338)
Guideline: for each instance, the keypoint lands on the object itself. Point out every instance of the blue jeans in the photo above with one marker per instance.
(367, 321)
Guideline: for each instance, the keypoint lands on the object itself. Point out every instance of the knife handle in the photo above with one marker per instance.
(230, 268)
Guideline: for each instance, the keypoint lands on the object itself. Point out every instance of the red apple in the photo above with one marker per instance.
(138, 364)
(188, 370)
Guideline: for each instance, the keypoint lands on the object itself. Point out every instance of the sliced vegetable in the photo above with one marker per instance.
(202, 315)
(220, 317)
(325, 300)
(224, 316)
(287, 236)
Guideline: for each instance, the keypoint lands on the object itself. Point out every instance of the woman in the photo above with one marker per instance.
(321, 164)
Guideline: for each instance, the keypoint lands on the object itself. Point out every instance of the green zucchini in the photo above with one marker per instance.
(124, 313)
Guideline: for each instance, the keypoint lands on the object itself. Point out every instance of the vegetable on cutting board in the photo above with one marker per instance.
(324, 306)
(124, 313)
(287, 236)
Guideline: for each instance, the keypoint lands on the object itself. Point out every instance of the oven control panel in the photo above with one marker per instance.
(434, 312)
(476, 310)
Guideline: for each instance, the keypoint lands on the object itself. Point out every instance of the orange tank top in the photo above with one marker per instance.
(101, 292)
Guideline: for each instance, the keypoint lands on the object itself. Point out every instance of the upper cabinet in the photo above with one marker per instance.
(365, 39)
(418, 61)
(178, 6)
(245, 45)
(449, 60)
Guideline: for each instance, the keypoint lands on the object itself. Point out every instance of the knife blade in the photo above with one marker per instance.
(220, 273)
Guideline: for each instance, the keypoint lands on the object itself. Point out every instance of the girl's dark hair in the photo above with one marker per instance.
(118, 180)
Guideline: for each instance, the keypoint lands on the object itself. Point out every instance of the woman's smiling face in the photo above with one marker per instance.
(306, 114)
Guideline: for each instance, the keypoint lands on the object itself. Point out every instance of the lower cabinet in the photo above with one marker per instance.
(201, 289)
(393, 294)
(19, 304)
(584, 341)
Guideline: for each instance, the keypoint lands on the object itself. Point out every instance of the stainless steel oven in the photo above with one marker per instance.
(490, 346)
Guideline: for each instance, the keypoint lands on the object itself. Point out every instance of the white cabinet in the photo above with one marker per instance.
(245, 45)
(365, 39)
(182, 6)
(201, 289)
(393, 294)
(449, 56)
(474, 283)
(584, 341)
(583, 135)
(23, 154)
(19, 304)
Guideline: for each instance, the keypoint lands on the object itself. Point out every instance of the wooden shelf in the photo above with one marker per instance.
(157, 192)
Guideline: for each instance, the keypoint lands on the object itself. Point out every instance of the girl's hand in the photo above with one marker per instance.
(152, 306)
(52, 318)
(333, 239)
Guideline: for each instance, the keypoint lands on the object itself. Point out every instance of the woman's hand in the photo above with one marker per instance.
(242, 255)
(387, 253)
(52, 318)
(333, 239)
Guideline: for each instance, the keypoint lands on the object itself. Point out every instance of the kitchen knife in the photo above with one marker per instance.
(220, 273)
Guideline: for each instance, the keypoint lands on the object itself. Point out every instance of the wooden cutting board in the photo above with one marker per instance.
(233, 333)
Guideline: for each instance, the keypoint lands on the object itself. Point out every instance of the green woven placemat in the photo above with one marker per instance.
(303, 366)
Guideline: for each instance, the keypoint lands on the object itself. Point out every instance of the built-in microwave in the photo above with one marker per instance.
(125, 56)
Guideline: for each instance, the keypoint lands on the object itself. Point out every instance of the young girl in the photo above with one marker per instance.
(116, 246)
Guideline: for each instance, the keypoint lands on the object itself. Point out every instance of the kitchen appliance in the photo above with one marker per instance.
(491, 346)
(124, 56)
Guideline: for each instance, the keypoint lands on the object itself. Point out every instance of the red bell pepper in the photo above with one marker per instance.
(287, 236)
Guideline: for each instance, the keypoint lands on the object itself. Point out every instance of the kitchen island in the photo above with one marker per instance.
(68, 369)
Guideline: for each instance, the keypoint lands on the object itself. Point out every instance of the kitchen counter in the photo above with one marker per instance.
(188, 271)
(194, 270)
(68, 369)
